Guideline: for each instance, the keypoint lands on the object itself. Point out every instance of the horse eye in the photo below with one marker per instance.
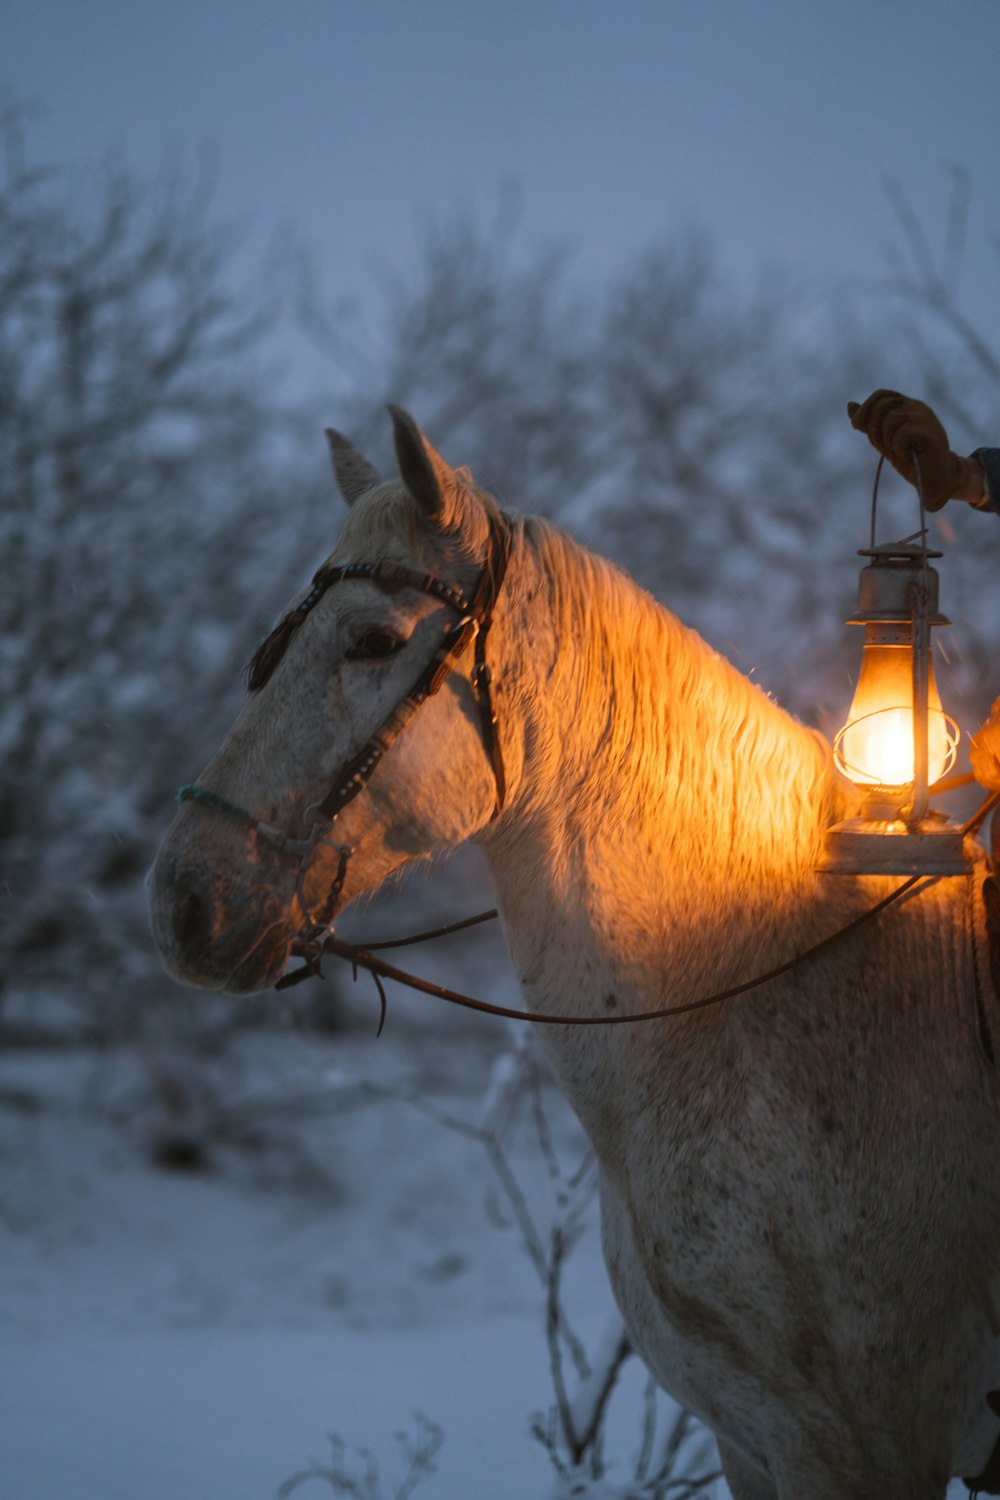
(373, 644)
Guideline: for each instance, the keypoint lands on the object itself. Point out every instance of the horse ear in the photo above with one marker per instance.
(352, 471)
(433, 483)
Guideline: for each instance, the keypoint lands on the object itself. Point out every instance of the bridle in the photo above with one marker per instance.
(475, 616)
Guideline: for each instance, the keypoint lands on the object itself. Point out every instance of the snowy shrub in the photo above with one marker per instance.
(673, 1455)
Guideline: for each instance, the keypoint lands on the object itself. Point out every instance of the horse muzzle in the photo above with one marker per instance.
(214, 933)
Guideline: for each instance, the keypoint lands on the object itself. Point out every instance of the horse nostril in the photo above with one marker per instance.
(192, 921)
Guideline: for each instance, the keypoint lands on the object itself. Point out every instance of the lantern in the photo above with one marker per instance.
(897, 740)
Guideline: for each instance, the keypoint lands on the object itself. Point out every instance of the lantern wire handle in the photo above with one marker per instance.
(878, 476)
(921, 666)
(922, 533)
(919, 594)
(923, 512)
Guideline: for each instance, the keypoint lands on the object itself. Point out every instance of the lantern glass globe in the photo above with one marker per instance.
(875, 746)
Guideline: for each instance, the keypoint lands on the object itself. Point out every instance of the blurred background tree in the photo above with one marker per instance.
(143, 464)
(694, 433)
(160, 496)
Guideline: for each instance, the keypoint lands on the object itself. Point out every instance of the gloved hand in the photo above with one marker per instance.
(984, 751)
(895, 425)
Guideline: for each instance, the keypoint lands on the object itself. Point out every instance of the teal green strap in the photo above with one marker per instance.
(194, 793)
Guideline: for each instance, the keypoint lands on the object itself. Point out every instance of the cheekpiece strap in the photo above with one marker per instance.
(476, 617)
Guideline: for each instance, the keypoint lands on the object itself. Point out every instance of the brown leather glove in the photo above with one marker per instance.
(984, 751)
(898, 426)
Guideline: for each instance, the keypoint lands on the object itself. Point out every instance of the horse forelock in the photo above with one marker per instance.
(388, 524)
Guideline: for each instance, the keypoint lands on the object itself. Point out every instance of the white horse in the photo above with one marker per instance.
(800, 1189)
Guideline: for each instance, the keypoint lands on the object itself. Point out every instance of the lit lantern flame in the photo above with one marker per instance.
(875, 747)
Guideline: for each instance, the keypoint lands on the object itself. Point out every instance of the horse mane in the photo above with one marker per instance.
(650, 697)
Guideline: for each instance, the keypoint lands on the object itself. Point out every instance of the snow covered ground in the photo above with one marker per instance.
(342, 1263)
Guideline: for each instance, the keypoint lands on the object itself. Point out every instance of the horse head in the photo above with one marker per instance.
(274, 837)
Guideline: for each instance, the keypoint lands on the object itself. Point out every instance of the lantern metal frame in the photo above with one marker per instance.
(898, 832)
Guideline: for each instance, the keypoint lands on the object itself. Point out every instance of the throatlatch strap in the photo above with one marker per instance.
(491, 581)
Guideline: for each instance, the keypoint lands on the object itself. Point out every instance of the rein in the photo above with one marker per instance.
(362, 956)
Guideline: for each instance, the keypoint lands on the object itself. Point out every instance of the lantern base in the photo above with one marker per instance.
(862, 846)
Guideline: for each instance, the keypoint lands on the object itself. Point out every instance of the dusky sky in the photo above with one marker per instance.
(770, 123)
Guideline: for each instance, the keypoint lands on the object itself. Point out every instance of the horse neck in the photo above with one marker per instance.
(663, 794)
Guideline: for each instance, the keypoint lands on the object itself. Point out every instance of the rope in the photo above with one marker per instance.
(194, 793)
(436, 932)
(361, 956)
